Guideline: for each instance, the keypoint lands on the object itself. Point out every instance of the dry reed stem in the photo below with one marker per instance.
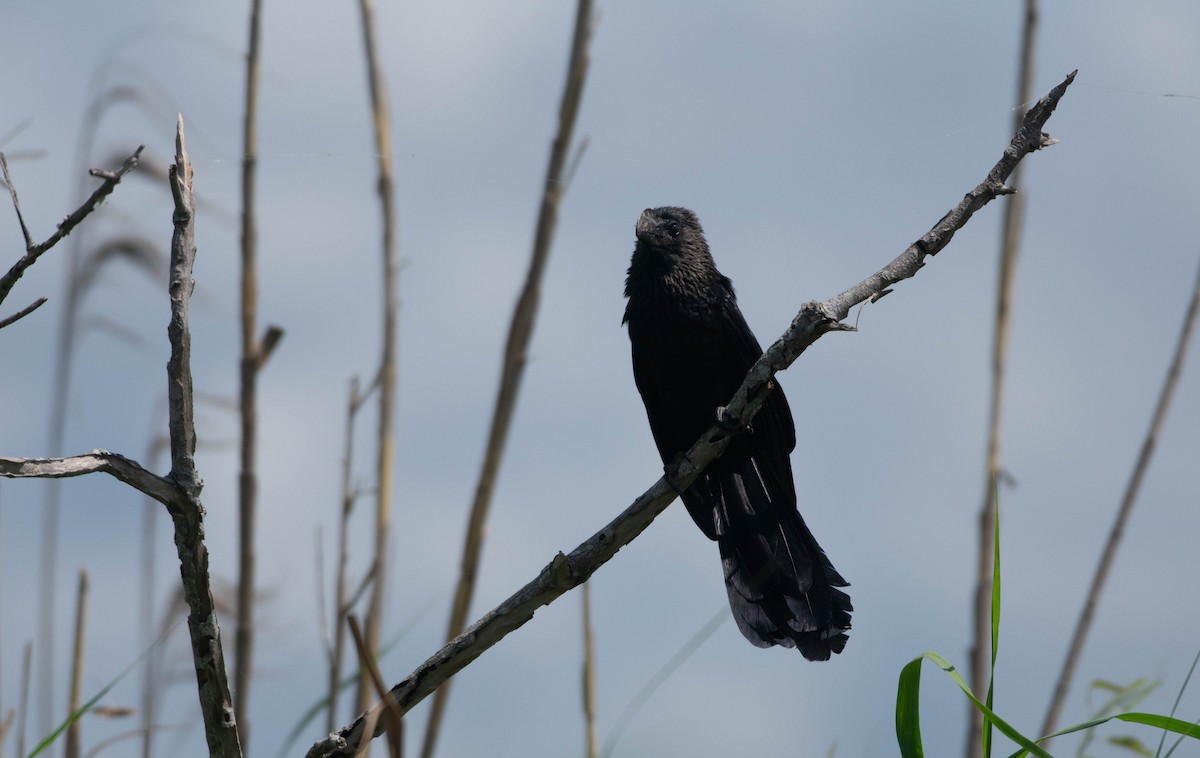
(516, 347)
(386, 436)
(1108, 556)
(72, 747)
(248, 390)
(1010, 242)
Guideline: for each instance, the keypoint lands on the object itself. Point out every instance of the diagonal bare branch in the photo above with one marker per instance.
(10, 320)
(815, 319)
(35, 251)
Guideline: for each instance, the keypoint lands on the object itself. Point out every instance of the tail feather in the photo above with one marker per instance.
(782, 587)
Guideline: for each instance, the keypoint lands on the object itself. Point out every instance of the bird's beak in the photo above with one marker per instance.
(646, 224)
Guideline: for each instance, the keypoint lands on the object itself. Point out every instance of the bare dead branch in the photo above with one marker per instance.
(517, 346)
(179, 490)
(220, 725)
(815, 319)
(23, 312)
(34, 251)
(97, 461)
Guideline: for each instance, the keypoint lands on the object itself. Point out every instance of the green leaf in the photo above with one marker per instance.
(1149, 719)
(987, 724)
(908, 711)
(908, 727)
(1162, 722)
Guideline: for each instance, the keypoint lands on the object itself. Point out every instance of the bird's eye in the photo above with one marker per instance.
(673, 228)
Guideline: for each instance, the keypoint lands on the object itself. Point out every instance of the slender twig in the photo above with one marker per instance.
(386, 436)
(517, 346)
(23, 703)
(159, 444)
(5, 725)
(1108, 556)
(248, 372)
(72, 748)
(23, 312)
(589, 676)
(364, 584)
(7, 720)
(339, 583)
(814, 320)
(33, 250)
(7, 717)
(659, 678)
(1010, 242)
(394, 723)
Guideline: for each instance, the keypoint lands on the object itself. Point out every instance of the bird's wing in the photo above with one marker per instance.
(773, 434)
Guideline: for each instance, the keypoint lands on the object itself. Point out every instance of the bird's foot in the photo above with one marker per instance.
(730, 425)
(669, 473)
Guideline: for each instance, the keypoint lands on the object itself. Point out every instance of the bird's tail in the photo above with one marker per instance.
(782, 588)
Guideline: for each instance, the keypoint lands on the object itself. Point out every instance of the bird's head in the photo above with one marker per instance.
(671, 232)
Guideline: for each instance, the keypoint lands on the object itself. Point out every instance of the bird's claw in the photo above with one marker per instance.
(729, 425)
(669, 474)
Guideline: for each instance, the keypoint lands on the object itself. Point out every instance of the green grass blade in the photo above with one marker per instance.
(1150, 719)
(987, 724)
(71, 719)
(1175, 725)
(1175, 706)
(908, 710)
(908, 717)
(663, 674)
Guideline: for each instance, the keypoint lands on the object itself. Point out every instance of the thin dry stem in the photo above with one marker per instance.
(589, 676)
(339, 583)
(9, 717)
(393, 720)
(516, 348)
(1010, 242)
(814, 320)
(72, 748)
(23, 703)
(385, 442)
(1108, 556)
(248, 393)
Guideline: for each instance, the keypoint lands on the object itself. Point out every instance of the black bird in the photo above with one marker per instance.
(691, 351)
